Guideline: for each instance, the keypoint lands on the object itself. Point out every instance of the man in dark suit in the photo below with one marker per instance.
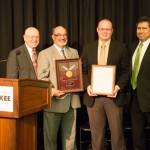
(20, 64)
(140, 92)
(110, 106)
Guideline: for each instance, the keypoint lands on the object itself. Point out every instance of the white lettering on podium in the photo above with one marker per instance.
(6, 98)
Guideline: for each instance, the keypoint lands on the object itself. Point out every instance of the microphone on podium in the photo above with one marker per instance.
(5, 60)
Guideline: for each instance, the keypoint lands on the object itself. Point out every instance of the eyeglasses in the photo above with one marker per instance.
(32, 37)
(105, 29)
(59, 35)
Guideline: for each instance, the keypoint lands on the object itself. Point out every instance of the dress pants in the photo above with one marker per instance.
(105, 109)
(67, 123)
(139, 122)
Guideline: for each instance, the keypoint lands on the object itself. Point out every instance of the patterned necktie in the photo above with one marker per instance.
(102, 58)
(136, 65)
(63, 54)
(34, 60)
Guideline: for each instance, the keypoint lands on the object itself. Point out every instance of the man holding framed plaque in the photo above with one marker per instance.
(62, 113)
(105, 75)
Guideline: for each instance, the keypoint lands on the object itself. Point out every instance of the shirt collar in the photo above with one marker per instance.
(107, 43)
(58, 48)
(145, 43)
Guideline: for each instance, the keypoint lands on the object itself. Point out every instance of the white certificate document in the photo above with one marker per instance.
(103, 79)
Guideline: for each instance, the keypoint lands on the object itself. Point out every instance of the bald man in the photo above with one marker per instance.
(19, 64)
(106, 107)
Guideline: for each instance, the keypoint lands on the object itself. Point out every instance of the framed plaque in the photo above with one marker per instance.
(69, 75)
(103, 79)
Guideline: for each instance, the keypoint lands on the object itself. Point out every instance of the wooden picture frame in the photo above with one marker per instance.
(103, 79)
(69, 75)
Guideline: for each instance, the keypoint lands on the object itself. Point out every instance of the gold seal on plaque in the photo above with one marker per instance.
(69, 74)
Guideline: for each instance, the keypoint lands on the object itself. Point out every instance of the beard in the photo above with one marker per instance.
(62, 44)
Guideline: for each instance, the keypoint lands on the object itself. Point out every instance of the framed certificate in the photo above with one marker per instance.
(103, 79)
(69, 75)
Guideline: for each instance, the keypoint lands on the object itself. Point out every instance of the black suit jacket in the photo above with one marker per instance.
(19, 64)
(143, 79)
(117, 55)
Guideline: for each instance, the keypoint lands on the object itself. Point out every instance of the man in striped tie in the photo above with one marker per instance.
(62, 113)
(22, 61)
(22, 64)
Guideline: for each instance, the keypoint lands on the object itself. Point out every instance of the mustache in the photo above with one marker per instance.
(62, 42)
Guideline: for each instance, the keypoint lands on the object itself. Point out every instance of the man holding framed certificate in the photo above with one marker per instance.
(106, 76)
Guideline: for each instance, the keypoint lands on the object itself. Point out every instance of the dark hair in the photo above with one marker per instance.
(144, 19)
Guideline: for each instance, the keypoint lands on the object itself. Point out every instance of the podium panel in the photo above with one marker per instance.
(18, 128)
(18, 134)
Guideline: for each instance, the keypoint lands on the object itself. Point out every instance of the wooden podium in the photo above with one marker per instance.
(18, 125)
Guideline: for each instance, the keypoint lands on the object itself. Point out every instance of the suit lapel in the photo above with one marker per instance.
(145, 57)
(110, 52)
(68, 53)
(57, 55)
(54, 52)
(132, 50)
(94, 56)
(27, 55)
(25, 51)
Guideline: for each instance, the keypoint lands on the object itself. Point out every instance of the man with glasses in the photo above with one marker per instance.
(22, 63)
(22, 60)
(62, 113)
(106, 51)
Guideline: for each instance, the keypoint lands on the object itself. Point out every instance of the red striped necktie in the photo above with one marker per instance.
(34, 60)
(63, 54)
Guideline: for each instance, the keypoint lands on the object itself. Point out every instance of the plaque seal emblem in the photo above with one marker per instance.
(69, 73)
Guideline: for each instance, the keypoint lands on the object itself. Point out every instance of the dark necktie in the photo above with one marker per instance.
(136, 65)
(34, 60)
(63, 53)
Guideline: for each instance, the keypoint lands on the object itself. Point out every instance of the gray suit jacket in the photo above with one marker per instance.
(47, 71)
(19, 64)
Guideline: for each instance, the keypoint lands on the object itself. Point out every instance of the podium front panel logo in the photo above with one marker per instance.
(6, 98)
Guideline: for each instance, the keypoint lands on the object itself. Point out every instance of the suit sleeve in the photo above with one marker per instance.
(74, 53)
(43, 67)
(12, 65)
(77, 55)
(123, 79)
(85, 68)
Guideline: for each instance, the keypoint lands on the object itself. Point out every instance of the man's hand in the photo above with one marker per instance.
(90, 92)
(58, 93)
(114, 94)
